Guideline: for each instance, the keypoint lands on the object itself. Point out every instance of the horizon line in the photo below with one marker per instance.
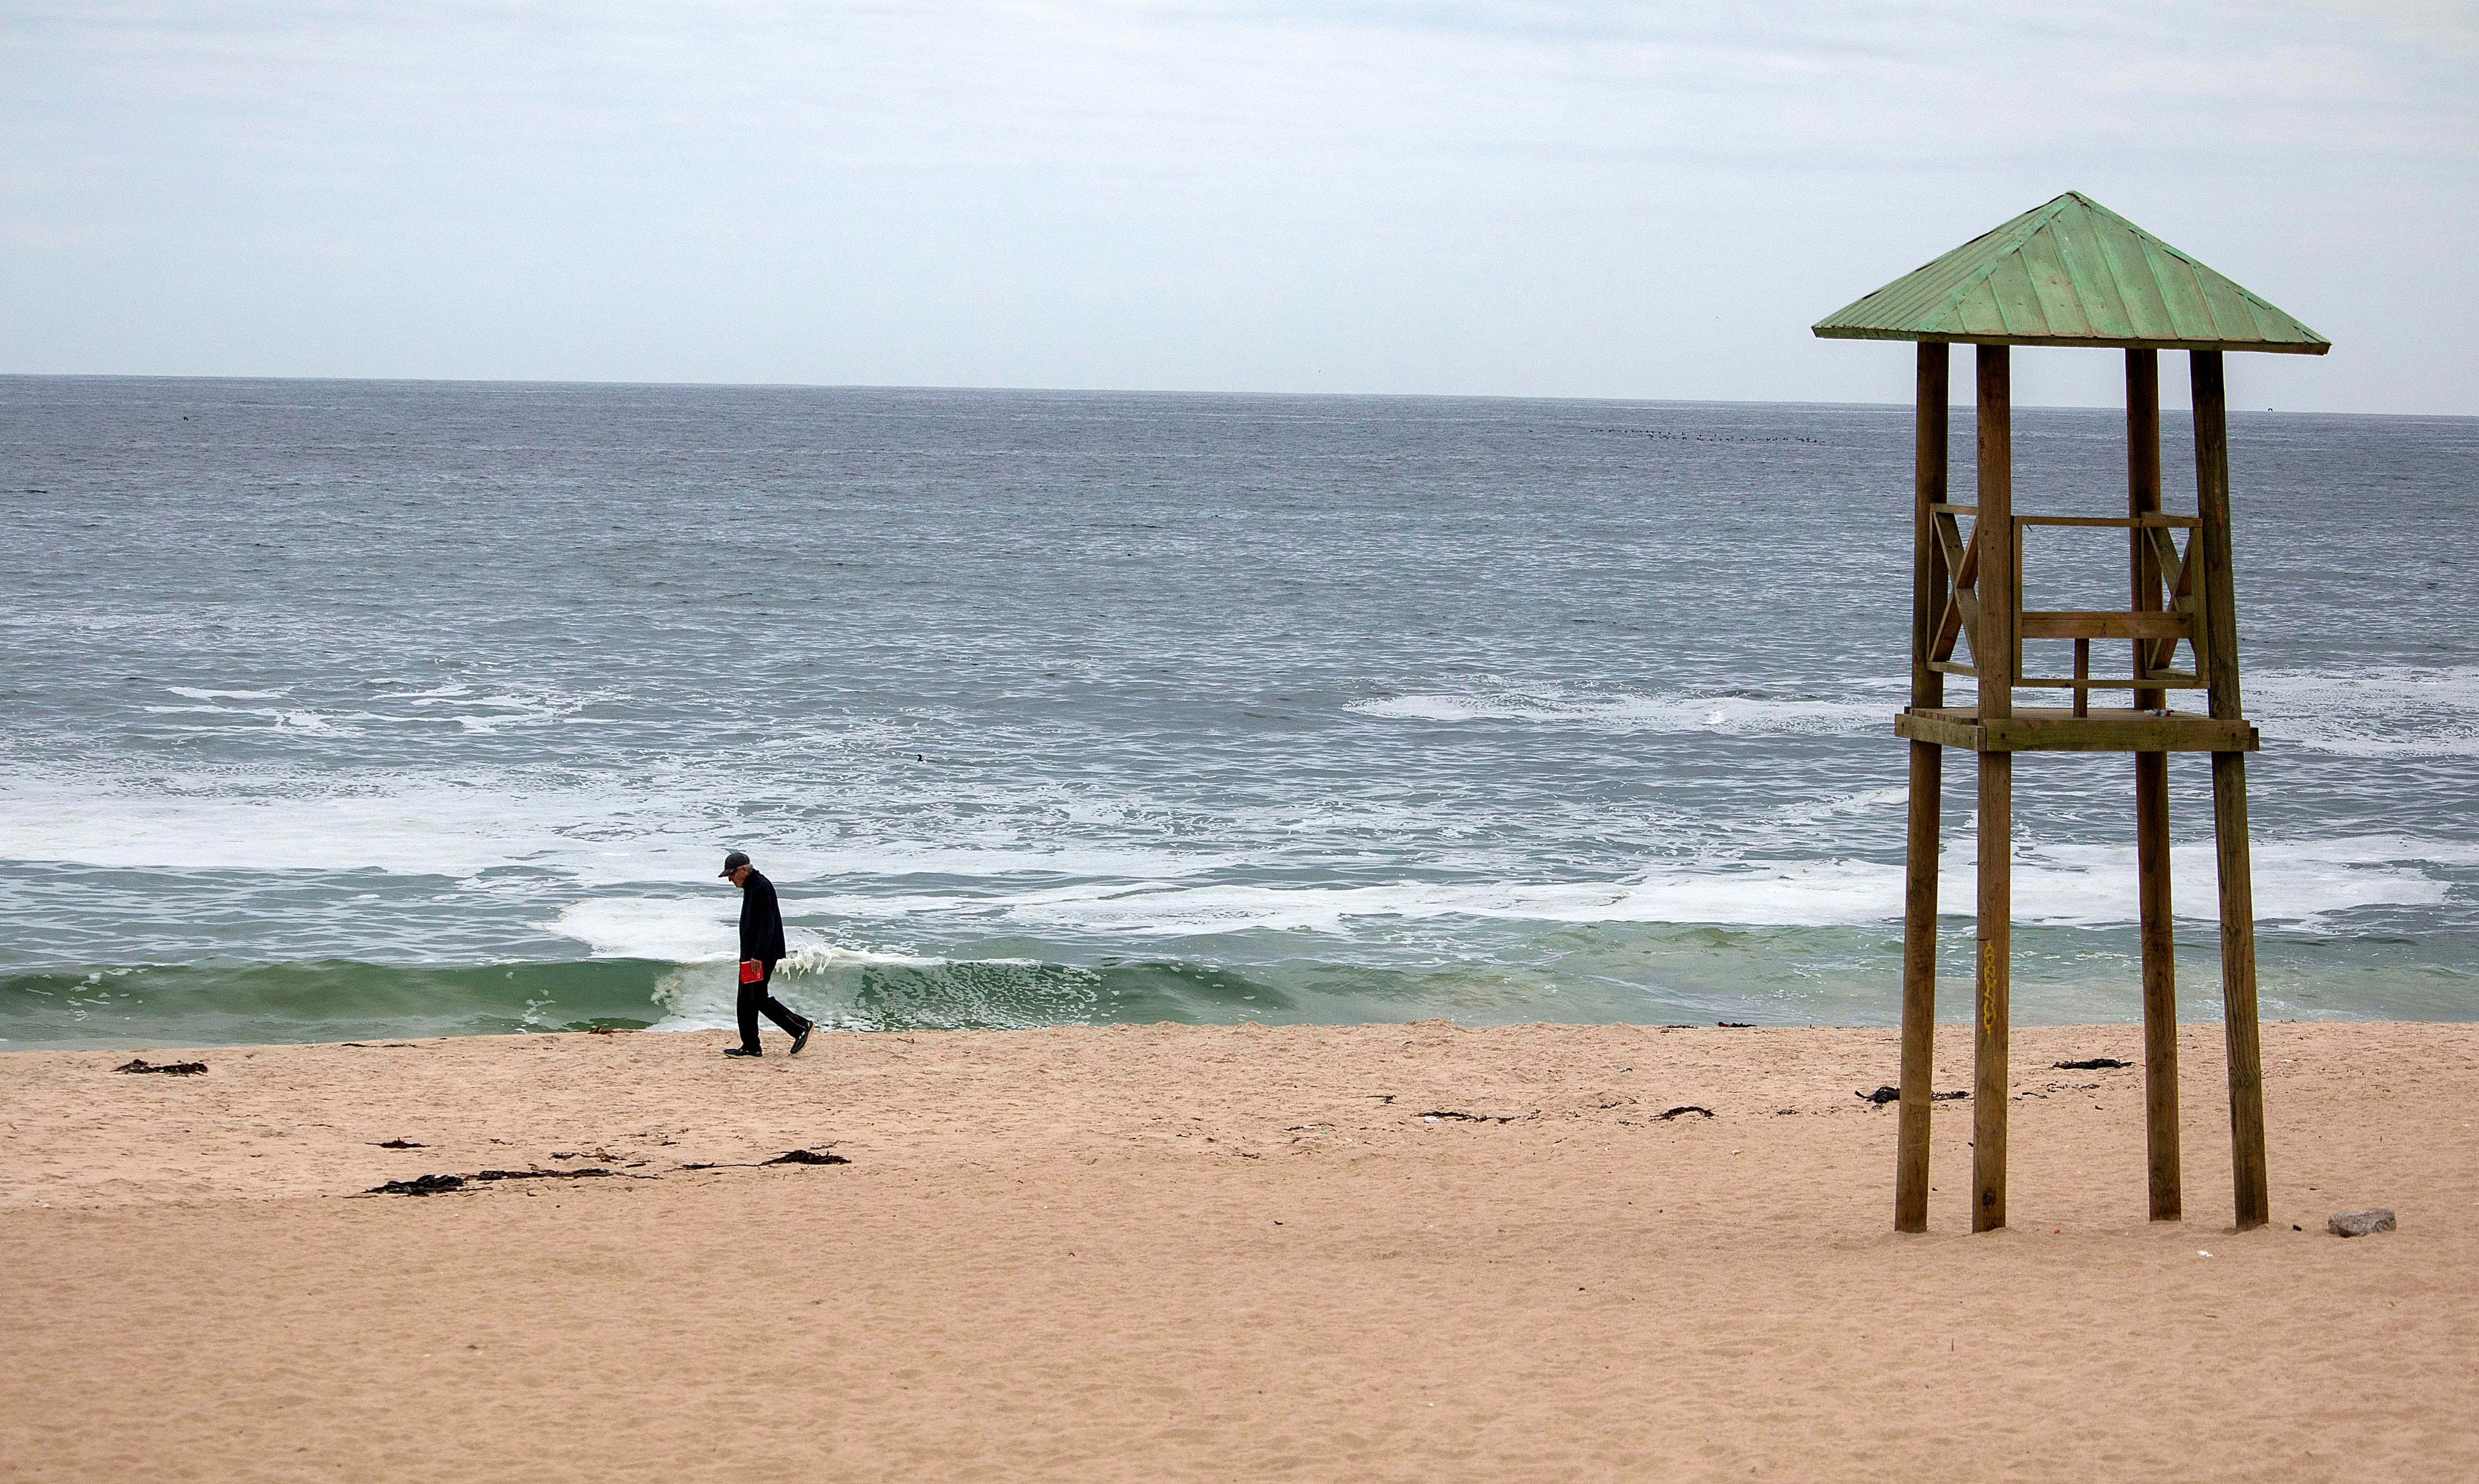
(1068, 391)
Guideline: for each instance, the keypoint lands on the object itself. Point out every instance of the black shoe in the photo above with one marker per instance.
(801, 1037)
(742, 1051)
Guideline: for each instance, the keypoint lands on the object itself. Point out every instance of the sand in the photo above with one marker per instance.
(1206, 1253)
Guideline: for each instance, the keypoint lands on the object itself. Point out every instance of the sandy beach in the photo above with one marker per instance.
(1383, 1252)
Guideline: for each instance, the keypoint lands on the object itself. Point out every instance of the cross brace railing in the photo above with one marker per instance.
(2155, 634)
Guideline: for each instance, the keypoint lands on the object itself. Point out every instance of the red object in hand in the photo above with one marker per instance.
(750, 971)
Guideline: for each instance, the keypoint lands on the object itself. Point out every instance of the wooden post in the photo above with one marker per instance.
(2228, 797)
(2152, 810)
(1992, 655)
(1928, 780)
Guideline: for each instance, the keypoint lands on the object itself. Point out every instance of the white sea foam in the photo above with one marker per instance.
(1736, 715)
(460, 826)
(2295, 881)
(596, 838)
(1827, 892)
(2392, 711)
(704, 995)
(440, 829)
(282, 718)
(2063, 885)
(670, 930)
(826, 958)
(705, 930)
(1839, 807)
(699, 997)
(482, 715)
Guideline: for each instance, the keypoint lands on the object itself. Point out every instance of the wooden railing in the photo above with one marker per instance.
(2154, 634)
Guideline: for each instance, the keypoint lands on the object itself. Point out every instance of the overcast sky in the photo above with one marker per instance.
(1590, 200)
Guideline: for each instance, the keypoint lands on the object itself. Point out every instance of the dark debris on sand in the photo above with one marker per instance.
(169, 1069)
(788, 1157)
(420, 1185)
(2094, 1064)
(433, 1185)
(1883, 1095)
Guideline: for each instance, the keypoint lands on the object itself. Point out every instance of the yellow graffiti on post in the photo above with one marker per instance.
(1987, 986)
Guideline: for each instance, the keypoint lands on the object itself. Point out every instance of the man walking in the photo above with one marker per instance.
(762, 948)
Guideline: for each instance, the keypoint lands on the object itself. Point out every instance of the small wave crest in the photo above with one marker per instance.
(1738, 715)
(864, 989)
(2295, 882)
(2392, 711)
(1640, 973)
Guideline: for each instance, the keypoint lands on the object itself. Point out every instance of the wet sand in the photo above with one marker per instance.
(1168, 1252)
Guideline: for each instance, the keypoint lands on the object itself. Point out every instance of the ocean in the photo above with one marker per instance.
(356, 709)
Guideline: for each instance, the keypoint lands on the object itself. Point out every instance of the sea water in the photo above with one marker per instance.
(344, 709)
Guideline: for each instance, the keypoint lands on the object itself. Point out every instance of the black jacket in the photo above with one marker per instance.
(761, 921)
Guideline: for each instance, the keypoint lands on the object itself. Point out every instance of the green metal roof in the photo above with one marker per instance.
(2072, 272)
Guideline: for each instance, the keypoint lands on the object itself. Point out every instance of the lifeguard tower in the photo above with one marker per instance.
(2074, 273)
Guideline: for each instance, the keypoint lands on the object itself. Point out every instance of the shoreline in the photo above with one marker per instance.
(1391, 1251)
(1954, 1016)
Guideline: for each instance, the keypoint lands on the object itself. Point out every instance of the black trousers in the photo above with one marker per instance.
(759, 999)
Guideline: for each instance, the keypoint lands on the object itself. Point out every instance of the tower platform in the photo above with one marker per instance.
(2059, 730)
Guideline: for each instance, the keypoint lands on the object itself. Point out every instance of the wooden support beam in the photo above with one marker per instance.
(2249, 1178)
(2101, 624)
(1992, 641)
(1928, 582)
(1919, 988)
(1992, 650)
(2143, 499)
(2166, 1178)
(2165, 1182)
(1928, 574)
(2164, 521)
(1993, 1016)
(2058, 729)
(2174, 679)
(2220, 660)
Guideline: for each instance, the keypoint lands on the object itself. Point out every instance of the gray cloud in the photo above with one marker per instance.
(1556, 200)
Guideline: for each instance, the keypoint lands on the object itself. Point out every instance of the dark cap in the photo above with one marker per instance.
(735, 861)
